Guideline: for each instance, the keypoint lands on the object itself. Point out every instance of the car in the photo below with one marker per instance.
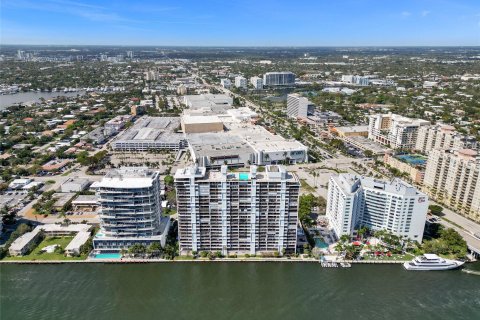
(477, 235)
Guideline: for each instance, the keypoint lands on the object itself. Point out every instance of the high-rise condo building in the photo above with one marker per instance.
(394, 130)
(240, 82)
(257, 83)
(237, 212)
(442, 137)
(452, 178)
(130, 210)
(298, 106)
(285, 78)
(354, 201)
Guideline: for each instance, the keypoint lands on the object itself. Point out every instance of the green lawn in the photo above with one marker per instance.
(37, 255)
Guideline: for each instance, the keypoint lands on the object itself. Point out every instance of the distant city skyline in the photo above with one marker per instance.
(242, 23)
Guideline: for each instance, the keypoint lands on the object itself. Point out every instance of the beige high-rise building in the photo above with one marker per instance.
(452, 178)
(394, 130)
(442, 137)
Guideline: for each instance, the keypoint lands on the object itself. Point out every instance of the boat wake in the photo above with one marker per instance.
(475, 272)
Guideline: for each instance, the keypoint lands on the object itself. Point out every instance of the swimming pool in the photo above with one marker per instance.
(319, 243)
(107, 256)
(414, 159)
(243, 176)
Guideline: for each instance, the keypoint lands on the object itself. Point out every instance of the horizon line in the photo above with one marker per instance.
(247, 46)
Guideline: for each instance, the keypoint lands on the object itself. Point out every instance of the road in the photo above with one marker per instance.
(467, 227)
(471, 240)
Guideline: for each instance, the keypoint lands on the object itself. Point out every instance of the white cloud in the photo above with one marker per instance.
(425, 13)
(406, 14)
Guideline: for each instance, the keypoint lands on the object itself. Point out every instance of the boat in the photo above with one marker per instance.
(432, 262)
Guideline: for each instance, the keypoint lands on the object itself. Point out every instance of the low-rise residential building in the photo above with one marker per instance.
(80, 233)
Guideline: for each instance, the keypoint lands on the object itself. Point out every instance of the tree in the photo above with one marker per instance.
(169, 180)
(368, 153)
(435, 209)
(137, 249)
(86, 247)
(155, 249)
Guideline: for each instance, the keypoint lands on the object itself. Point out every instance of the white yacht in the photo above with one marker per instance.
(432, 262)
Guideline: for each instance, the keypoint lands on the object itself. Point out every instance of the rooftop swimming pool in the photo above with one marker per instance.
(414, 159)
(107, 256)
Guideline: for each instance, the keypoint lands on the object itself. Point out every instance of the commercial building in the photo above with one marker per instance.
(365, 144)
(352, 131)
(269, 148)
(130, 211)
(214, 102)
(242, 212)
(452, 178)
(285, 78)
(257, 83)
(213, 150)
(240, 82)
(442, 137)
(394, 130)
(298, 106)
(201, 124)
(75, 185)
(354, 201)
(18, 184)
(151, 133)
(88, 203)
(226, 83)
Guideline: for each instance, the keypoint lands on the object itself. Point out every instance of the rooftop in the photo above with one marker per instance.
(129, 178)
(351, 182)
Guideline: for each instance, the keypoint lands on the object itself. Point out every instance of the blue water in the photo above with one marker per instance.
(108, 256)
(413, 159)
(243, 176)
(319, 243)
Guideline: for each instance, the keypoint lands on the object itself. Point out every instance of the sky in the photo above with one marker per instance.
(242, 22)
